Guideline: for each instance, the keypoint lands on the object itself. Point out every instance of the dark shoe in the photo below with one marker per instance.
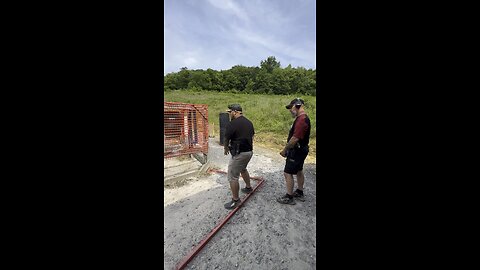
(232, 204)
(247, 190)
(299, 196)
(286, 200)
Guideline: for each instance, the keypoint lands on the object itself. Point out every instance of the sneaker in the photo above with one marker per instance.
(286, 200)
(299, 196)
(247, 190)
(232, 204)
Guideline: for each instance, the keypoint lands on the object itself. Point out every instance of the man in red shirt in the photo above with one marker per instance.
(296, 151)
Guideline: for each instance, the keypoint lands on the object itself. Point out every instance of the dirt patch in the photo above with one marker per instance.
(188, 187)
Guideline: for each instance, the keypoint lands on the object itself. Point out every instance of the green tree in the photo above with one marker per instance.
(170, 81)
(200, 79)
(268, 78)
(249, 87)
(280, 85)
(263, 82)
(183, 78)
(215, 79)
(230, 80)
(270, 64)
(243, 74)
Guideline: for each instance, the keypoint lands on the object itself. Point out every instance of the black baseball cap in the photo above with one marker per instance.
(295, 102)
(234, 107)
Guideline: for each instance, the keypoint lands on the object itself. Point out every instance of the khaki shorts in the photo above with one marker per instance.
(238, 164)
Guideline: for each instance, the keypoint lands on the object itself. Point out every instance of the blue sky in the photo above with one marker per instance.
(218, 34)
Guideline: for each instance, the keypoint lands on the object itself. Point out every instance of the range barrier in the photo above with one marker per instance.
(185, 129)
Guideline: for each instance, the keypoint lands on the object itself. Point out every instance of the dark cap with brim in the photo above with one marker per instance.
(295, 102)
(234, 107)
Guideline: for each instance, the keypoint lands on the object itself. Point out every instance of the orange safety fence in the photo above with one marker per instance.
(185, 129)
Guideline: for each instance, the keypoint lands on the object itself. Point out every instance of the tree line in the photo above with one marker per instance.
(268, 78)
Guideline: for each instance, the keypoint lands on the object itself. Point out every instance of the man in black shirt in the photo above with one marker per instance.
(239, 143)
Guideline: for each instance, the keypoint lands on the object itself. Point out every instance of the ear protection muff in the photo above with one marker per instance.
(298, 103)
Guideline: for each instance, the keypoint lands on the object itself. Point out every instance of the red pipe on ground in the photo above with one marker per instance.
(205, 240)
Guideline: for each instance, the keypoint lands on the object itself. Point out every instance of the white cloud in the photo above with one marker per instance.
(190, 61)
(230, 7)
(274, 45)
(219, 34)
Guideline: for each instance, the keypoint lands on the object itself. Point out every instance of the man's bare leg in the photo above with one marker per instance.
(300, 180)
(234, 186)
(289, 182)
(246, 178)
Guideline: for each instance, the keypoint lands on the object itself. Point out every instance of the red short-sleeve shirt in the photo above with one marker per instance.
(301, 127)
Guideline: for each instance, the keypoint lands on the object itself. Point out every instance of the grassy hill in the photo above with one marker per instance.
(267, 113)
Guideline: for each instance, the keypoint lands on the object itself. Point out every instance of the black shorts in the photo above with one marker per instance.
(294, 164)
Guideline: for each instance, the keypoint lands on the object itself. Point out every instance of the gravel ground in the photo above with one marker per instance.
(263, 234)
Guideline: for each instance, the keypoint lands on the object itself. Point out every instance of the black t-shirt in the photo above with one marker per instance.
(240, 130)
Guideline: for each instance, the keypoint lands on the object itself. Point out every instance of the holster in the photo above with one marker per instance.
(234, 149)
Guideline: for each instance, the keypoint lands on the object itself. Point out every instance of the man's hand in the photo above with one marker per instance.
(289, 145)
(226, 151)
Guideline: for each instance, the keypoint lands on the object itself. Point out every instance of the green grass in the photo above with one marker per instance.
(267, 113)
